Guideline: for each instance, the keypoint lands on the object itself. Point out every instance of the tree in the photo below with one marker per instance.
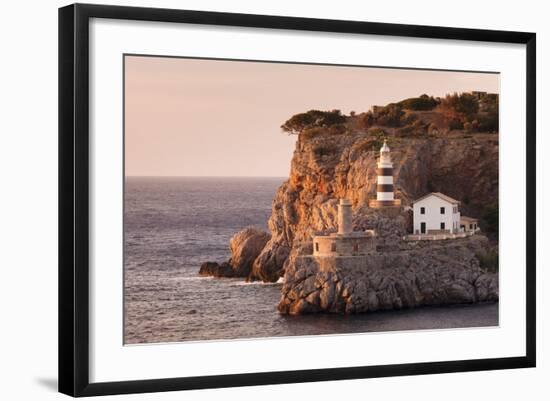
(313, 118)
(389, 116)
(423, 102)
(464, 106)
(488, 120)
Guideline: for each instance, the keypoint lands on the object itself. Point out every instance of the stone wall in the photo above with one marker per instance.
(344, 245)
(432, 274)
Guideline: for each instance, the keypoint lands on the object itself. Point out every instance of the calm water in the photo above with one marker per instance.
(172, 225)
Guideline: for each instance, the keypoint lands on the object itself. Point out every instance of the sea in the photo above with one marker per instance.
(174, 224)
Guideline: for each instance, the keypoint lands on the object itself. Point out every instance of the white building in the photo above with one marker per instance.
(469, 224)
(436, 213)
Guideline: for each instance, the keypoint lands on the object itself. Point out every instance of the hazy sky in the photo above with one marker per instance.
(188, 117)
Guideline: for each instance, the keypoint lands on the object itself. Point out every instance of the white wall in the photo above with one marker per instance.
(433, 217)
(28, 162)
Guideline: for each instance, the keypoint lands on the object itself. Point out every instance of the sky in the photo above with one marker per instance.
(191, 117)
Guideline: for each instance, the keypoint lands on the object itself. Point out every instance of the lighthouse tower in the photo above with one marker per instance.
(345, 226)
(384, 181)
(345, 242)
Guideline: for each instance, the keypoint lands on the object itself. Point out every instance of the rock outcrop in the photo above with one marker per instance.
(329, 166)
(427, 274)
(245, 247)
(216, 269)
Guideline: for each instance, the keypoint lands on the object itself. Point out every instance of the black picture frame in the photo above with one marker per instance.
(74, 198)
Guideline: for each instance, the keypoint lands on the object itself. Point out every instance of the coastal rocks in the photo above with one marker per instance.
(267, 266)
(216, 269)
(432, 275)
(245, 247)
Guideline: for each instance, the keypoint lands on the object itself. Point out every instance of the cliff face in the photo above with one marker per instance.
(327, 166)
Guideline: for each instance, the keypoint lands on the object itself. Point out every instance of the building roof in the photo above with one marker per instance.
(468, 219)
(440, 196)
(385, 147)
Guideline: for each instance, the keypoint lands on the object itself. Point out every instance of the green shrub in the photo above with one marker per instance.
(389, 116)
(423, 102)
(417, 127)
(337, 129)
(490, 217)
(368, 145)
(456, 123)
(376, 132)
(464, 106)
(365, 120)
(488, 260)
(377, 136)
(310, 133)
(488, 122)
(325, 150)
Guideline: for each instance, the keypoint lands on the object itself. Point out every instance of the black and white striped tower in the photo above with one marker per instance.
(384, 182)
(384, 172)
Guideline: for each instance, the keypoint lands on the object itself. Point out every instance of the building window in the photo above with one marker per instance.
(442, 210)
(316, 247)
(333, 247)
(422, 210)
(471, 226)
(442, 225)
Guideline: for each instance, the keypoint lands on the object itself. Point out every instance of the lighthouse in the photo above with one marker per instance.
(384, 172)
(384, 181)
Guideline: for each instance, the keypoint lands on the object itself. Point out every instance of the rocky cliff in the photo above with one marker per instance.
(329, 166)
(437, 145)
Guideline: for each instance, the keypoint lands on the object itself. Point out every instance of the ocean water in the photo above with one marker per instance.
(172, 225)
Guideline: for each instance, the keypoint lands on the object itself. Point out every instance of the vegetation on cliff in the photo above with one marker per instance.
(470, 112)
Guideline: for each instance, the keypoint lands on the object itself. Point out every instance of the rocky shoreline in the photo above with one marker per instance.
(442, 274)
(398, 275)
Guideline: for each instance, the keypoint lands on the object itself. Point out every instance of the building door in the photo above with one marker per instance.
(422, 228)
